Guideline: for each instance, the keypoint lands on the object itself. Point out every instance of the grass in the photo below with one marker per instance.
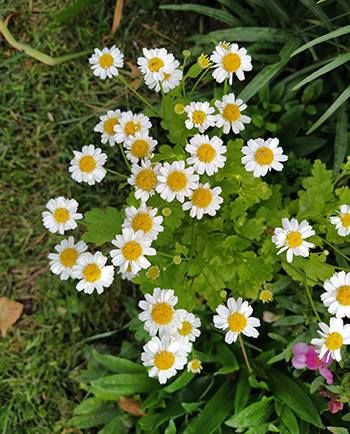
(46, 112)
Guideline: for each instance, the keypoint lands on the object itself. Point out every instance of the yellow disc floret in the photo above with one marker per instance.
(202, 197)
(343, 295)
(164, 360)
(237, 322)
(294, 239)
(231, 62)
(264, 156)
(68, 257)
(91, 273)
(206, 153)
(106, 60)
(162, 313)
(132, 250)
(142, 222)
(334, 341)
(231, 112)
(177, 180)
(61, 215)
(87, 164)
(146, 180)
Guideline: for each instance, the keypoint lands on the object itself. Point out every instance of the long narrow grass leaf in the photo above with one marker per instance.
(341, 138)
(344, 96)
(246, 34)
(317, 12)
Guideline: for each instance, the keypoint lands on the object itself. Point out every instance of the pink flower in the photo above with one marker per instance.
(305, 356)
(334, 405)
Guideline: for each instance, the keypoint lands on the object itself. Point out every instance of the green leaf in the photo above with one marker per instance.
(289, 419)
(331, 35)
(245, 34)
(112, 387)
(242, 392)
(253, 415)
(180, 382)
(341, 138)
(89, 405)
(115, 426)
(102, 225)
(151, 422)
(171, 428)
(117, 364)
(337, 430)
(289, 392)
(216, 14)
(102, 416)
(214, 413)
(72, 10)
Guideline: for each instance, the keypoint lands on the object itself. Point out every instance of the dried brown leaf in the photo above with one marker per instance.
(10, 311)
(131, 406)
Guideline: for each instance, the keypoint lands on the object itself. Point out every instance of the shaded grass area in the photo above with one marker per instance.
(45, 113)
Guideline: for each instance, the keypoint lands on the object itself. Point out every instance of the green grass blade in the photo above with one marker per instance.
(216, 14)
(331, 35)
(269, 72)
(341, 138)
(335, 63)
(317, 12)
(344, 96)
(246, 34)
(72, 10)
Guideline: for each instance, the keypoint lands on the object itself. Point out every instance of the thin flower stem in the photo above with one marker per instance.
(308, 292)
(201, 76)
(336, 249)
(164, 254)
(139, 96)
(250, 370)
(124, 157)
(116, 173)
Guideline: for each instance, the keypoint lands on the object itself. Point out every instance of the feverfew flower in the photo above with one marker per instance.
(291, 237)
(131, 252)
(93, 273)
(207, 154)
(105, 63)
(61, 215)
(199, 115)
(159, 313)
(230, 114)
(305, 356)
(342, 221)
(170, 80)
(337, 295)
(261, 156)
(203, 200)
(333, 338)
(106, 126)
(139, 147)
(165, 356)
(237, 319)
(65, 259)
(87, 165)
(229, 59)
(194, 366)
(144, 219)
(144, 179)
(175, 181)
(155, 63)
(130, 124)
(188, 330)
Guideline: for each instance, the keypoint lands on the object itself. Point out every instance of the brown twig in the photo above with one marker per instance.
(118, 10)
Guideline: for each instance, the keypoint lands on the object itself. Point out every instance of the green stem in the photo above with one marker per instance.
(201, 76)
(250, 370)
(124, 156)
(116, 173)
(336, 249)
(139, 96)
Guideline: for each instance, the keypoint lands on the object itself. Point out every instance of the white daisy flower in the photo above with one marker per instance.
(342, 221)
(291, 237)
(93, 273)
(261, 156)
(236, 318)
(144, 179)
(130, 124)
(176, 181)
(68, 252)
(61, 215)
(106, 126)
(230, 114)
(199, 115)
(105, 62)
(194, 366)
(87, 165)
(131, 252)
(188, 331)
(170, 80)
(139, 147)
(229, 59)
(206, 154)
(159, 313)
(165, 356)
(333, 338)
(337, 295)
(203, 200)
(155, 63)
(144, 219)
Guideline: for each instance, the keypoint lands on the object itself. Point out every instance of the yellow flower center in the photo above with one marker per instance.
(177, 181)
(206, 153)
(164, 360)
(185, 329)
(91, 273)
(294, 239)
(68, 257)
(109, 124)
(198, 117)
(345, 219)
(87, 164)
(142, 222)
(155, 64)
(61, 215)
(162, 313)
(202, 197)
(266, 296)
(132, 250)
(106, 60)
(132, 127)
(264, 155)
(203, 61)
(231, 112)
(146, 179)
(140, 148)
(334, 341)
(237, 322)
(231, 62)
(196, 364)
(343, 295)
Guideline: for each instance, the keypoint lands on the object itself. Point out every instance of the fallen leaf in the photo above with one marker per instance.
(131, 406)
(135, 72)
(118, 10)
(10, 311)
